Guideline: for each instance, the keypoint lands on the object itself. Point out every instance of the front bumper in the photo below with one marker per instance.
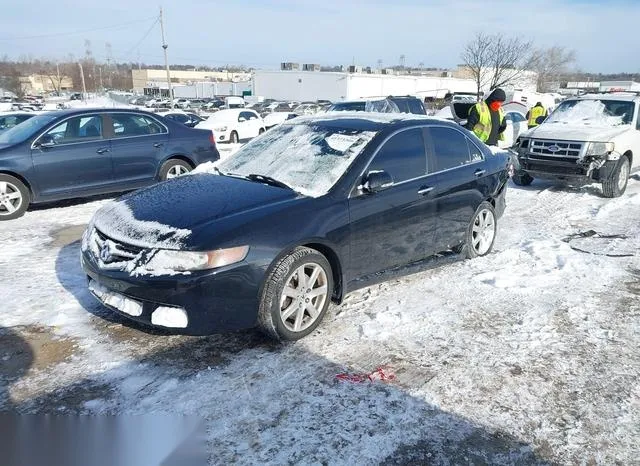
(214, 301)
(577, 172)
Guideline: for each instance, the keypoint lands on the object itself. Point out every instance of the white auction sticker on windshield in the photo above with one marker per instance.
(342, 142)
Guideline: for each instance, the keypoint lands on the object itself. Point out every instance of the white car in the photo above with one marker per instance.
(275, 118)
(234, 125)
(592, 138)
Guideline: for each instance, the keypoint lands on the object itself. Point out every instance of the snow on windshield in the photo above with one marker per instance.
(594, 112)
(307, 157)
(116, 220)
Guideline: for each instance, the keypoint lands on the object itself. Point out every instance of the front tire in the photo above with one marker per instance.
(521, 178)
(296, 295)
(481, 232)
(617, 184)
(174, 168)
(14, 197)
(233, 138)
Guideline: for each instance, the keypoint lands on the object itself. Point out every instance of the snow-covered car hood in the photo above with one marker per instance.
(168, 214)
(576, 132)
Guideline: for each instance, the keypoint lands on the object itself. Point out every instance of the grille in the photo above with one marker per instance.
(556, 149)
(116, 251)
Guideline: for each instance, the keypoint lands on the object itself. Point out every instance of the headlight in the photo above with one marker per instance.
(522, 143)
(220, 128)
(87, 235)
(599, 148)
(184, 261)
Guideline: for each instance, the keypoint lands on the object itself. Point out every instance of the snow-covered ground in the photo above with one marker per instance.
(528, 355)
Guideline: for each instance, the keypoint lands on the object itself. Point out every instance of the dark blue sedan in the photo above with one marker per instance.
(300, 216)
(78, 153)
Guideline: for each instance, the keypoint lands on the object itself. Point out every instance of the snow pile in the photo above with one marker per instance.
(588, 112)
(116, 220)
(308, 159)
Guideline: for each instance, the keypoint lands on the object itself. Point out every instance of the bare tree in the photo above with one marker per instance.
(495, 60)
(551, 64)
(476, 56)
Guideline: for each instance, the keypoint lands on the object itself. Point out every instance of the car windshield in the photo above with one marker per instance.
(594, 112)
(308, 157)
(26, 129)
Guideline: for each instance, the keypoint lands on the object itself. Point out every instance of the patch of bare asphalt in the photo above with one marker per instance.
(29, 348)
(66, 235)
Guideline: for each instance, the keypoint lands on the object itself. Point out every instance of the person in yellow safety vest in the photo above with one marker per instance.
(535, 113)
(486, 118)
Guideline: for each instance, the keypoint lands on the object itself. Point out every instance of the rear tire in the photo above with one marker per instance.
(481, 232)
(260, 131)
(521, 178)
(14, 197)
(296, 295)
(174, 168)
(233, 138)
(617, 184)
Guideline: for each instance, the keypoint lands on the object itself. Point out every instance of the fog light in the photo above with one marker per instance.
(173, 317)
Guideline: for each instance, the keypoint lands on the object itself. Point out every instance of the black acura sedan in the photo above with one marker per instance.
(76, 153)
(300, 216)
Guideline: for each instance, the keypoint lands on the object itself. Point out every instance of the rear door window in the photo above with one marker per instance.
(415, 106)
(403, 156)
(133, 124)
(448, 148)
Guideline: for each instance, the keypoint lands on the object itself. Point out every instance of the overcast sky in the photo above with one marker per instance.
(263, 33)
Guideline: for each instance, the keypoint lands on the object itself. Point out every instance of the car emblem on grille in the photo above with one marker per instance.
(553, 149)
(105, 252)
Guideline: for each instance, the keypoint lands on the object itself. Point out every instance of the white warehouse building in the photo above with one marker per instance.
(338, 86)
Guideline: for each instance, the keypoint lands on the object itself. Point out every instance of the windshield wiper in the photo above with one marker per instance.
(268, 180)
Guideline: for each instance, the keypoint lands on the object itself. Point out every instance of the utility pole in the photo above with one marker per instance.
(84, 87)
(58, 76)
(166, 60)
(101, 85)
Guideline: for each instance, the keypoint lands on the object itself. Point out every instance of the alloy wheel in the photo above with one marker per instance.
(10, 198)
(303, 297)
(176, 170)
(483, 232)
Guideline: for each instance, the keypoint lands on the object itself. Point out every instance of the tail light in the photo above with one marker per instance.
(212, 138)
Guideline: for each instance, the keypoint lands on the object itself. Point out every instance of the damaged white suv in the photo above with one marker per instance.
(591, 138)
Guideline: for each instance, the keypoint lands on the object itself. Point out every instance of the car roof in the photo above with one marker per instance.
(622, 96)
(368, 121)
(81, 111)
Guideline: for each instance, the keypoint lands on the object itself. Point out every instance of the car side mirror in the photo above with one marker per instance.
(242, 119)
(376, 181)
(540, 120)
(45, 142)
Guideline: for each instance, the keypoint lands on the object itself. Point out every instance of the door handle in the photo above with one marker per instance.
(102, 150)
(479, 173)
(425, 190)
(158, 144)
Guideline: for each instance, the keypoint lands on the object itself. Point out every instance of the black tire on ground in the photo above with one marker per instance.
(261, 130)
(173, 165)
(270, 318)
(484, 210)
(521, 178)
(233, 138)
(617, 184)
(14, 197)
